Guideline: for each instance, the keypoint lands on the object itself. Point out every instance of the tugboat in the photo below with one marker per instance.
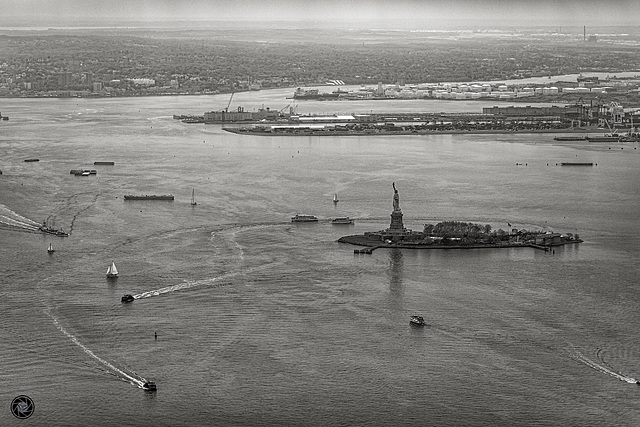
(127, 298)
(149, 386)
(50, 230)
(417, 321)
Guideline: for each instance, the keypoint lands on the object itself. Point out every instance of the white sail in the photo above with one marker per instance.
(112, 270)
(335, 197)
(193, 197)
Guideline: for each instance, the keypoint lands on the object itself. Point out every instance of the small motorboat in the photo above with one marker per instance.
(149, 386)
(127, 298)
(417, 320)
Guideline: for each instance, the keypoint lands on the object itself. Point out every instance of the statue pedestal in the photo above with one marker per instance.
(396, 230)
(396, 222)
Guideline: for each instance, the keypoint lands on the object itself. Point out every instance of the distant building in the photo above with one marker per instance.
(97, 87)
(65, 79)
(87, 79)
(143, 82)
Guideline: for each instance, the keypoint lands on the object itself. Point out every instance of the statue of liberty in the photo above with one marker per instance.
(396, 198)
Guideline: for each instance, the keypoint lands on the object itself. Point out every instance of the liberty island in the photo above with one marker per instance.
(453, 235)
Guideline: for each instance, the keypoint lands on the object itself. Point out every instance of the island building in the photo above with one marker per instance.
(396, 231)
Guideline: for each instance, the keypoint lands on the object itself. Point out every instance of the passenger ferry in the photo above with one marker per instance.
(342, 220)
(304, 218)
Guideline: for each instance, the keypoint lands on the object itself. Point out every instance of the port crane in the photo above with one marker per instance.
(226, 110)
(292, 109)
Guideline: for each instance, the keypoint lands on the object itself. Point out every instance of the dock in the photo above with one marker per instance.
(368, 250)
(541, 247)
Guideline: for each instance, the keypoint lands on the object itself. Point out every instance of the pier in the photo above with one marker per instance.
(368, 251)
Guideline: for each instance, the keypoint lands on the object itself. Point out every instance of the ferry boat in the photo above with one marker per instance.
(342, 220)
(304, 218)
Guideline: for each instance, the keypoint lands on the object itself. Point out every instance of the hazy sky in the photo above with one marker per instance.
(463, 12)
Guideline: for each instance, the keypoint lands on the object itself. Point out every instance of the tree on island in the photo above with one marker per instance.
(460, 233)
(457, 229)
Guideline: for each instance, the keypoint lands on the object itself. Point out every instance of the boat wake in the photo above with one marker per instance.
(604, 369)
(13, 219)
(185, 285)
(131, 379)
(213, 282)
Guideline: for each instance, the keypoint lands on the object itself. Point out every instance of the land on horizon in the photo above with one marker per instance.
(173, 59)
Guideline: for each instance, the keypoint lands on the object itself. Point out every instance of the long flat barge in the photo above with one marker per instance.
(576, 164)
(570, 138)
(148, 197)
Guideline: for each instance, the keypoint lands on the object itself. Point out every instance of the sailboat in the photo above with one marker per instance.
(112, 271)
(335, 198)
(193, 197)
(51, 250)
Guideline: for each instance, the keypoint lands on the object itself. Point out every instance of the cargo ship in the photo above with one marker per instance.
(316, 94)
(150, 197)
(610, 137)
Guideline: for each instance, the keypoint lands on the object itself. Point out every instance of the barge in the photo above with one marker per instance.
(150, 197)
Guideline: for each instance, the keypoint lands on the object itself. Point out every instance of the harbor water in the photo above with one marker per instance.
(261, 321)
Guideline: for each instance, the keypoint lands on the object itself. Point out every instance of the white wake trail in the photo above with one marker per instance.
(603, 369)
(134, 381)
(16, 223)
